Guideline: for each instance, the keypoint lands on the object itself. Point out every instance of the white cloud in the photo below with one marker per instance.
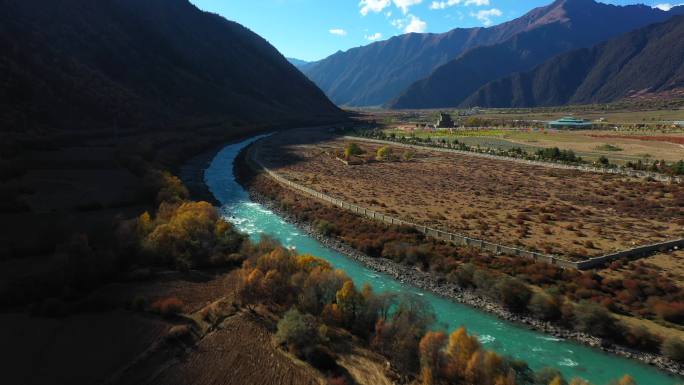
(398, 23)
(338, 32)
(374, 37)
(450, 3)
(405, 4)
(444, 4)
(415, 25)
(485, 16)
(375, 6)
(666, 6)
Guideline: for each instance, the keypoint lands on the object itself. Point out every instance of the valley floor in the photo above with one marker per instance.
(563, 212)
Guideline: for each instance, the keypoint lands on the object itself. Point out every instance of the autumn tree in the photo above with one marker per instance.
(350, 302)
(250, 291)
(460, 348)
(548, 376)
(431, 358)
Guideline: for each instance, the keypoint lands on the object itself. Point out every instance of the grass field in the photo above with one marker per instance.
(554, 211)
(626, 117)
(591, 144)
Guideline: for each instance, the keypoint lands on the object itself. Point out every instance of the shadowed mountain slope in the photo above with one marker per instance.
(576, 24)
(650, 59)
(88, 64)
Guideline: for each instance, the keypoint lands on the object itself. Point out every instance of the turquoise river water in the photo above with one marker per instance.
(538, 349)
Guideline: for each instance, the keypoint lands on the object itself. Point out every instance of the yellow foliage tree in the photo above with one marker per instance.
(508, 379)
(473, 371)
(430, 348)
(349, 301)
(427, 377)
(459, 350)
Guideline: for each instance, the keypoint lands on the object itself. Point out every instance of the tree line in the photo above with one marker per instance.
(584, 301)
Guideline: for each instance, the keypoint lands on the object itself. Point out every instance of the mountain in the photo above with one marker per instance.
(92, 64)
(300, 64)
(377, 73)
(97, 98)
(650, 59)
(568, 25)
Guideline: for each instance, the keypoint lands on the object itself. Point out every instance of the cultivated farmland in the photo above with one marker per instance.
(553, 211)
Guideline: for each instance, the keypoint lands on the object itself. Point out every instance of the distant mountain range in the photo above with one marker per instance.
(648, 60)
(76, 64)
(568, 25)
(300, 64)
(378, 72)
(440, 70)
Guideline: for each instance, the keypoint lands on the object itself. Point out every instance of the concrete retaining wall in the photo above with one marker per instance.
(460, 239)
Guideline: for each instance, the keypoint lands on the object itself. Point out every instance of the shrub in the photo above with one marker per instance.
(595, 319)
(167, 186)
(352, 149)
(167, 307)
(179, 332)
(673, 348)
(545, 306)
(671, 312)
(324, 227)
(639, 337)
(513, 294)
(463, 276)
(296, 330)
(384, 153)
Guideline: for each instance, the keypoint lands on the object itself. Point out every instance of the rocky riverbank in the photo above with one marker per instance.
(439, 285)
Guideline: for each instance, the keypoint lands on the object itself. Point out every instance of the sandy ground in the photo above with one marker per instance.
(555, 211)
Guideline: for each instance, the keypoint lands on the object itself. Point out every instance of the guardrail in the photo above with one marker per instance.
(458, 239)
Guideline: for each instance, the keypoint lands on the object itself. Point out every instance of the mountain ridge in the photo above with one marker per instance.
(376, 73)
(63, 66)
(575, 24)
(650, 59)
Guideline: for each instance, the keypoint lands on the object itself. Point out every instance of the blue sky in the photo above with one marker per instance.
(314, 29)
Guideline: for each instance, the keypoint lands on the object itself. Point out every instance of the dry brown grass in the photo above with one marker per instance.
(555, 211)
(240, 352)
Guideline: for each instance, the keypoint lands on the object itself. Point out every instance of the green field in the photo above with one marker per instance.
(584, 143)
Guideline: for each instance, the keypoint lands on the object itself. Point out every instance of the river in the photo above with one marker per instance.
(537, 349)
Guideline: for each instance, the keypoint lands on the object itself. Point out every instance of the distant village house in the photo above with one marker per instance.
(571, 123)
